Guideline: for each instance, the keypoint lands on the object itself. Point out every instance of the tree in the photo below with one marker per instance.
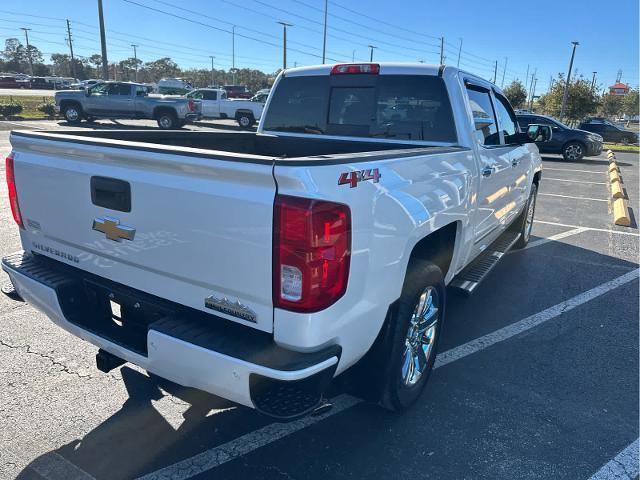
(161, 68)
(516, 93)
(129, 66)
(610, 105)
(581, 100)
(96, 61)
(630, 105)
(13, 55)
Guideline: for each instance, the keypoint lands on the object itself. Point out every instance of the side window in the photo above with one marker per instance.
(141, 90)
(123, 89)
(483, 116)
(506, 120)
(100, 89)
(209, 95)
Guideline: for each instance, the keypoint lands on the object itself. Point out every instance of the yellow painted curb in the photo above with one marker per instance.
(609, 151)
(620, 213)
(613, 167)
(616, 190)
(611, 156)
(614, 177)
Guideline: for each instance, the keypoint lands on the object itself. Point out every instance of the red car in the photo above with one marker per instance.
(237, 91)
(9, 81)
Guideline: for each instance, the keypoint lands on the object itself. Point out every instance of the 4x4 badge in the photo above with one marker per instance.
(353, 178)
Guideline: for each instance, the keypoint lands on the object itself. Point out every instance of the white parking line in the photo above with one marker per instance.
(251, 441)
(571, 170)
(591, 229)
(623, 466)
(553, 238)
(575, 198)
(574, 181)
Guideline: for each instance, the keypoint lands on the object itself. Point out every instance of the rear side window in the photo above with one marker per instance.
(483, 116)
(506, 120)
(399, 107)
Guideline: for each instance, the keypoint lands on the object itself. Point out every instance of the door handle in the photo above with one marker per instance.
(487, 171)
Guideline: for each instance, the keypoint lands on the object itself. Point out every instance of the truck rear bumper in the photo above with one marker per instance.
(187, 347)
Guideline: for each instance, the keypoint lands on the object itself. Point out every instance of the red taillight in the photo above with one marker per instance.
(13, 193)
(192, 106)
(311, 253)
(346, 68)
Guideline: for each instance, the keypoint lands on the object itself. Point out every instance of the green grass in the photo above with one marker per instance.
(616, 147)
(29, 105)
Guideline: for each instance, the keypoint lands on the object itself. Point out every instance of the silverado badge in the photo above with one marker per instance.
(112, 229)
(235, 309)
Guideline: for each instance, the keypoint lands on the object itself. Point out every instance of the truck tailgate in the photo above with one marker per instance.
(201, 226)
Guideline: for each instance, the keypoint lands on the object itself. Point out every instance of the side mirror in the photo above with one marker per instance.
(481, 123)
(539, 133)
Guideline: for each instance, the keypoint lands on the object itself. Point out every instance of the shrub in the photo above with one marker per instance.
(47, 108)
(8, 109)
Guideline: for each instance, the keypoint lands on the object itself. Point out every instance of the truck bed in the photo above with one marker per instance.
(244, 146)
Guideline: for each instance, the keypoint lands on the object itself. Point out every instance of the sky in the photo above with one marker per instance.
(521, 36)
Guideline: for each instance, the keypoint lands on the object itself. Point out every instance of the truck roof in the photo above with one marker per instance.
(389, 68)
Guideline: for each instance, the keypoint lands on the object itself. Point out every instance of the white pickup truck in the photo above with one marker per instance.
(259, 266)
(215, 104)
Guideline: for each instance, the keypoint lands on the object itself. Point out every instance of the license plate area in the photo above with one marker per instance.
(116, 314)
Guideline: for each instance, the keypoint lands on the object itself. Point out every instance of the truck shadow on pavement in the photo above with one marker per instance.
(138, 438)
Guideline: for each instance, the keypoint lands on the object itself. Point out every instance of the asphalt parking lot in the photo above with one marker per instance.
(537, 376)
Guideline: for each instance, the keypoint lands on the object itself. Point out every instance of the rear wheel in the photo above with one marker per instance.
(573, 151)
(72, 113)
(412, 333)
(245, 120)
(167, 120)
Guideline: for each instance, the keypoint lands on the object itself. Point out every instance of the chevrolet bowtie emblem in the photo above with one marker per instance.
(112, 229)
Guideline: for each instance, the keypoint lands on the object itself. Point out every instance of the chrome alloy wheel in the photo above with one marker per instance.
(573, 152)
(72, 114)
(420, 337)
(530, 214)
(165, 122)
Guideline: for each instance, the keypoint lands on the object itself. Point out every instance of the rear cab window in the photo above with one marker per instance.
(398, 107)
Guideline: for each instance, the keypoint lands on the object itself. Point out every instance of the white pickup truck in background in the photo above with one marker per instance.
(215, 104)
(259, 266)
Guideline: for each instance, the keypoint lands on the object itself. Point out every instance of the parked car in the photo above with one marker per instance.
(175, 86)
(125, 100)
(41, 83)
(258, 266)
(571, 143)
(237, 91)
(260, 97)
(10, 81)
(216, 105)
(608, 131)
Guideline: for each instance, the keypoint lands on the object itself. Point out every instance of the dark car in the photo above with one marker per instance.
(573, 144)
(237, 91)
(8, 81)
(41, 83)
(608, 131)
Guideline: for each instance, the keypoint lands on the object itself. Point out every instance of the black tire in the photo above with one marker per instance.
(90, 119)
(627, 140)
(573, 151)
(167, 120)
(182, 123)
(245, 120)
(72, 113)
(524, 223)
(394, 391)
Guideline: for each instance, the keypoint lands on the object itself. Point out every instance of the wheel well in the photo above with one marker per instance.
(536, 178)
(240, 112)
(437, 247)
(584, 145)
(66, 103)
(160, 110)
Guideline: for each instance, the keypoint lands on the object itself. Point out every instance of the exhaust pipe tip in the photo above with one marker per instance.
(105, 361)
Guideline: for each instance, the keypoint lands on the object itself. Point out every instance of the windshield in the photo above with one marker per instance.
(403, 107)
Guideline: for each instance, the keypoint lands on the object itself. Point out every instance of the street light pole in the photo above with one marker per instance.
(566, 85)
(371, 54)
(212, 82)
(324, 38)
(284, 45)
(135, 57)
(26, 35)
(103, 43)
(495, 72)
(593, 80)
(504, 71)
(441, 50)
(459, 53)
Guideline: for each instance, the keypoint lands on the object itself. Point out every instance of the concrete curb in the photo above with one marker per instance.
(619, 206)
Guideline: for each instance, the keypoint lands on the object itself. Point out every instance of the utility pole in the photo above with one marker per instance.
(212, 82)
(69, 38)
(26, 36)
(532, 77)
(504, 71)
(526, 77)
(593, 80)
(284, 44)
(441, 50)
(371, 55)
(533, 93)
(324, 38)
(135, 57)
(233, 51)
(566, 85)
(459, 53)
(495, 72)
(353, 56)
(103, 43)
